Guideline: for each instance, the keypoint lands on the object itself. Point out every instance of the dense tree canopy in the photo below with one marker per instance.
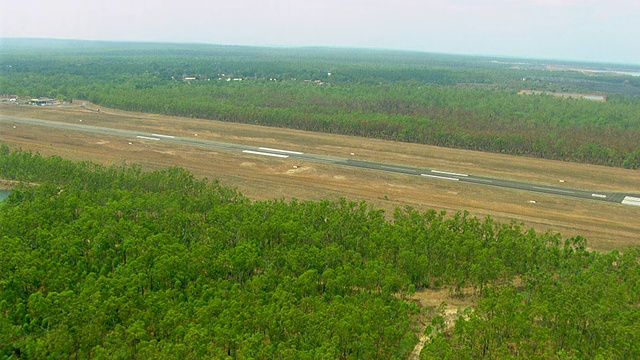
(462, 102)
(114, 262)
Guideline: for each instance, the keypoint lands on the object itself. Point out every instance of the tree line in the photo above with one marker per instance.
(459, 102)
(116, 262)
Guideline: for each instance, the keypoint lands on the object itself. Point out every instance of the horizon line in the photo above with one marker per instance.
(635, 66)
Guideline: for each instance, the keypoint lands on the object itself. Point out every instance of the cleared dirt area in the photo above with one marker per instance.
(605, 225)
(433, 300)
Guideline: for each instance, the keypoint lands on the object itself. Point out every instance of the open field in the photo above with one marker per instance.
(605, 225)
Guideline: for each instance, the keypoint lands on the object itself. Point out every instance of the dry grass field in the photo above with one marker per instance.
(605, 225)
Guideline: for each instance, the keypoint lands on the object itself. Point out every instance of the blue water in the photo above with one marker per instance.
(4, 194)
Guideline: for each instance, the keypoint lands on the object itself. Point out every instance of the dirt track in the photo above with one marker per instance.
(606, 226)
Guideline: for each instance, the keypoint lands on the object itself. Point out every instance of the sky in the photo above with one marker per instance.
(582, 30)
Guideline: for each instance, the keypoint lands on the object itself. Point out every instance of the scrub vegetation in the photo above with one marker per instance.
(451, 101)
(113, 262)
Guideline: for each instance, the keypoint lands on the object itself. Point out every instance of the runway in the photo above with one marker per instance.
(351, 161)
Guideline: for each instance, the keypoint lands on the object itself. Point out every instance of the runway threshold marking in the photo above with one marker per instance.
(630, 200)
(440, 177)
(448, 173)
(265, 154)
(599, 196)
(147, 138)
(282, 151)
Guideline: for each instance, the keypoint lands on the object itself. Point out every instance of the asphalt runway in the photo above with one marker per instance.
(427, 174)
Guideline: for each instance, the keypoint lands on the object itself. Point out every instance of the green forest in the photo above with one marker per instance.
(444, 100)
(119, 263)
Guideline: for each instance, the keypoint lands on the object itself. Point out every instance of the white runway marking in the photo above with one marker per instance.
(164, 136)
(265, 154)
(448, 173)
(630, 200)
(554, 190)
(440, 177)
(282, 151)
(146, 137)
(599, 196)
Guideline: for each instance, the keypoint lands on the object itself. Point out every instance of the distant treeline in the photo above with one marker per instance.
(459, 102)
(112, 262)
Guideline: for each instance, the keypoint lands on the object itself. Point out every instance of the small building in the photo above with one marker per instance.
(9, 98)
(41, 101)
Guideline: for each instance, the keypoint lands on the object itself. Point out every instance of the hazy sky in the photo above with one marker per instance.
(592, 30)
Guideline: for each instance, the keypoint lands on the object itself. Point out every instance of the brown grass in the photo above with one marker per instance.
(605, 225)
